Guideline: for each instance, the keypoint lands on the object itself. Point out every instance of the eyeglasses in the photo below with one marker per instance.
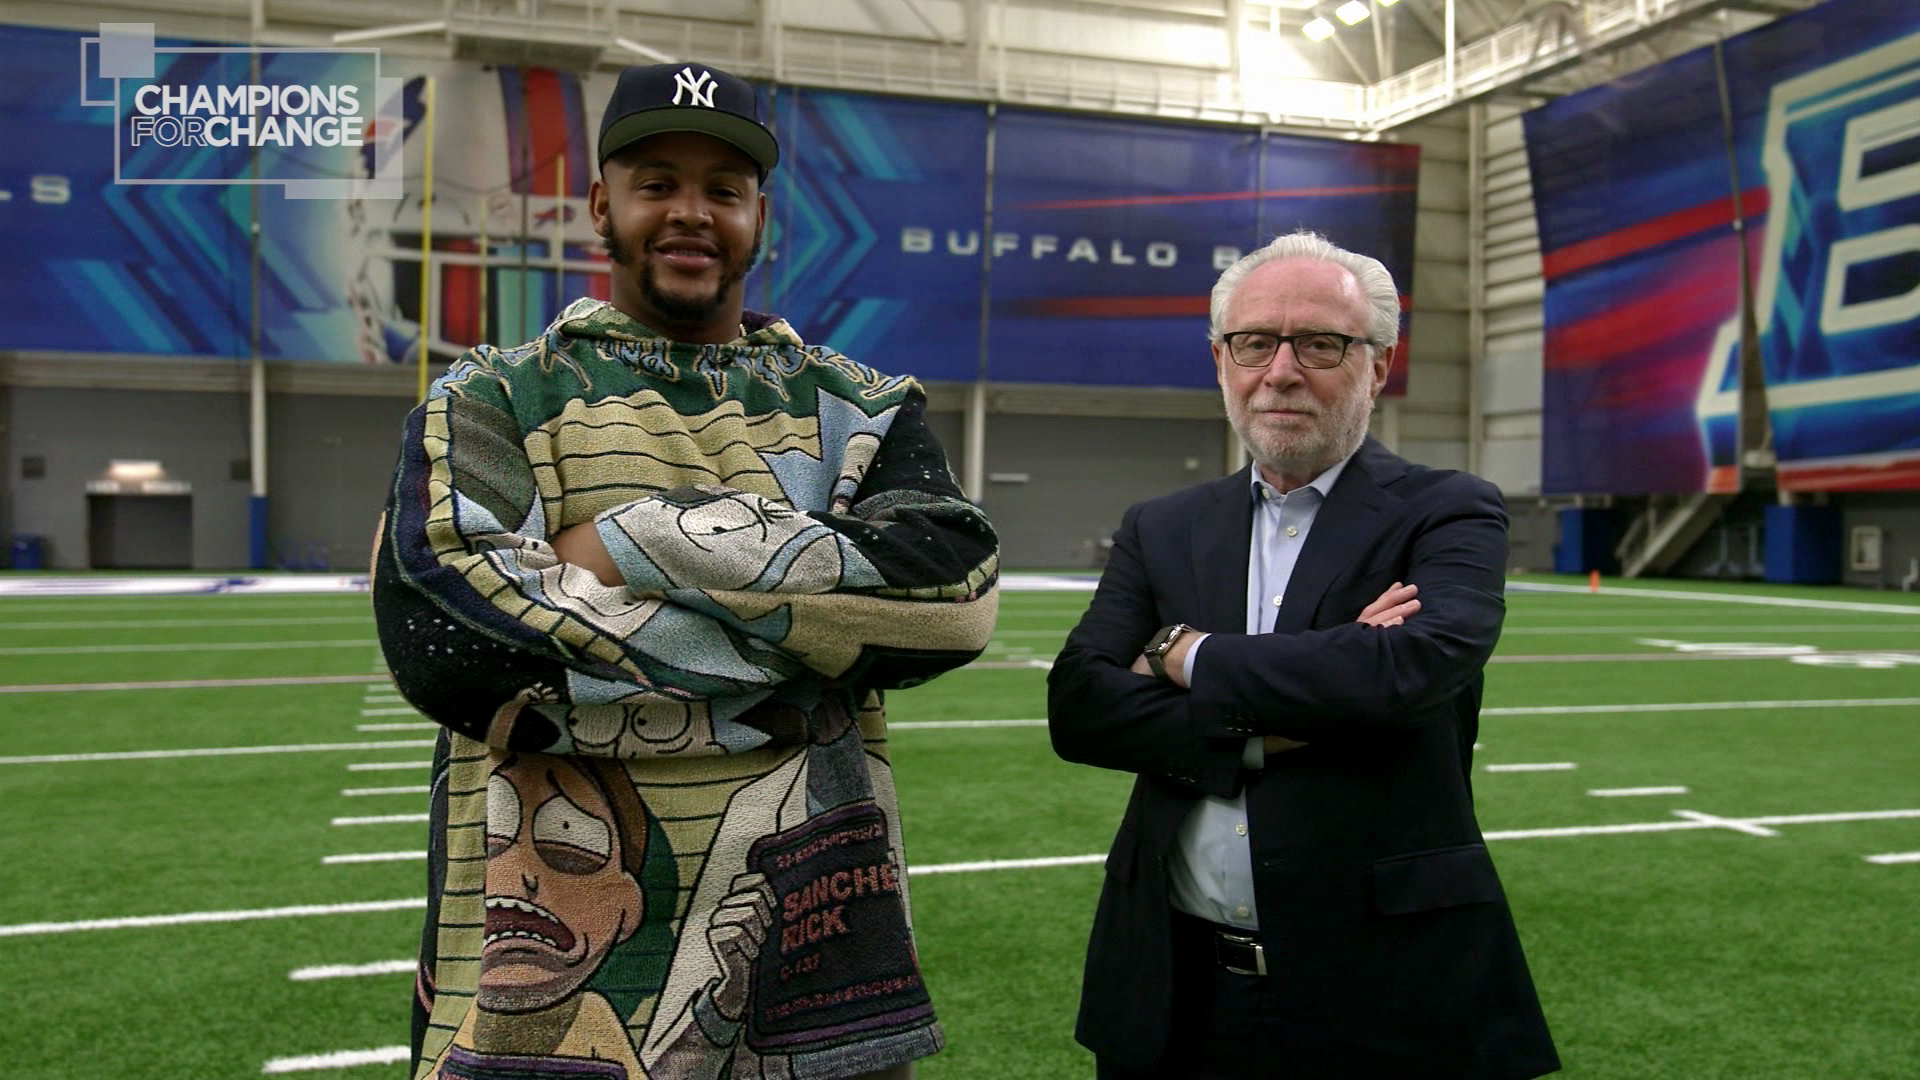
(1320, 349)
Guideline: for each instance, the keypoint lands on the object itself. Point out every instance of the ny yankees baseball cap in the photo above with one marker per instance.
(686, 97)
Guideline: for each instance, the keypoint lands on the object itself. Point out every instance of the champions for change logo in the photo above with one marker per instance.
(319, 123)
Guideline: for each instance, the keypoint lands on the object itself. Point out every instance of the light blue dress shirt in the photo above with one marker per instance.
(1211, 872)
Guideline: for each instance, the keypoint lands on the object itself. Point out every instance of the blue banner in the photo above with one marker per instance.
(1645, 189)
(1107, 236)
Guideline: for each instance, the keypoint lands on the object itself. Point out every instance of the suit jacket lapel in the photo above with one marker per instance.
(1346, 525)
(1220, 555)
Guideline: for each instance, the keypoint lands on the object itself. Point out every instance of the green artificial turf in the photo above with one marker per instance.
(1700, 953)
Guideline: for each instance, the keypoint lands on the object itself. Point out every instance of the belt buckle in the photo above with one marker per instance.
(1259, 953)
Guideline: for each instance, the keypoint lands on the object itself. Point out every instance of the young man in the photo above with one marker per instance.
(669, 536)
(1298, 889)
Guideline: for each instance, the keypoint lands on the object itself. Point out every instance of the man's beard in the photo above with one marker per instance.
(1337, 430)
(679, 309)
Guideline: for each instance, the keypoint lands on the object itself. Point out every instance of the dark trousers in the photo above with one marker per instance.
(1223, 1024)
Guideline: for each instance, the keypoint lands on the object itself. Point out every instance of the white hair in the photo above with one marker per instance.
(1376, 283)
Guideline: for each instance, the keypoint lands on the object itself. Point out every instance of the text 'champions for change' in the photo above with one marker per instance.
(247, 115)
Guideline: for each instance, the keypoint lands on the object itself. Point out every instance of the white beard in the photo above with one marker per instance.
(1336, 431)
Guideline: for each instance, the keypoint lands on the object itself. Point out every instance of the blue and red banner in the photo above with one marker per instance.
(1652, 195)
(940, 238)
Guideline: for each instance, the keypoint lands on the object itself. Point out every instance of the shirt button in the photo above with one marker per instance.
(1277, 599)
(1292, 531)
(1242, 911)
(1240, 828)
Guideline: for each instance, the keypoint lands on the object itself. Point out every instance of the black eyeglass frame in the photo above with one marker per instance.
(1347, 341)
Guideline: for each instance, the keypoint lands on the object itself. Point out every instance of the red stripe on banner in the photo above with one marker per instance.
(1901, 475)
(1213, 196)
(1651, 233)
(1723, 480)
(1112, 307)
(547, 127)
(460, 297)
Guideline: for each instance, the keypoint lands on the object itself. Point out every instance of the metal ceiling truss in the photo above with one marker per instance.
(1485, 47)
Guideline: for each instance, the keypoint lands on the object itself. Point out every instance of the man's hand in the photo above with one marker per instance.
(581, 545)
(1395, 606)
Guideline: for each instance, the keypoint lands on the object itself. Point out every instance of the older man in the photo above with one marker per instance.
(670, 538)
(1290, 661)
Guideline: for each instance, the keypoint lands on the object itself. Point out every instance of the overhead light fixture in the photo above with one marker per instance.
(649, 52)
(124, 469)
(1352, 12)
(1318, 30)
(380, 33)
(1386, 3)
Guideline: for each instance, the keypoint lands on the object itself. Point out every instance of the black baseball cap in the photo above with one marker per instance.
(686, 97)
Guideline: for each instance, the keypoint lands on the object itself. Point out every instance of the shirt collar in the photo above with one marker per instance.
(1322, 483)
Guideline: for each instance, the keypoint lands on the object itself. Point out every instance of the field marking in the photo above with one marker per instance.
(1724, 598)
(1622, 792)
(1894, 857)
(410, 789)
(383, 698)
(405, 710)
(23, 929)
(427, 726)
(371, 856)
(217, 751)
(187, 684)
(187, 646)
(170, 624)
(339, 1059)
(382, 819)
(185, 918)
(1699, 706)
(1875, 628)
(349, 971)
(1726, 823)
(1749, 652)
(912, 725)
(377, 766)
(1538, 766)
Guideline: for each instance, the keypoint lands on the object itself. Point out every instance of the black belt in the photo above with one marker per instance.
(1233, 949)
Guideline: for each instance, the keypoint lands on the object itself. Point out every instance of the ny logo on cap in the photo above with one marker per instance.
(700, 89)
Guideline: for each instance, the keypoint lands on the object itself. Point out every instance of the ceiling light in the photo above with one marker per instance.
(647, 51)
(123, 469)
(1386, 3)
(1318, 30)
(1352, 12)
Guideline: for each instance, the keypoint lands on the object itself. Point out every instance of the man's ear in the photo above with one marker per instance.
(760, 226)
(1382, 366)
(597, 204)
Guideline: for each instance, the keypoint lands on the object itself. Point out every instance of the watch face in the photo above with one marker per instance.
(1163, 640)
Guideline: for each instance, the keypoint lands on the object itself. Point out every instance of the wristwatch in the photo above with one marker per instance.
(1161, 642)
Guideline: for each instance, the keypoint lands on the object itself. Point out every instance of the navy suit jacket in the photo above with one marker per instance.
(1385, 925)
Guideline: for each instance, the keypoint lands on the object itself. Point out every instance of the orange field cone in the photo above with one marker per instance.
(1593, 581)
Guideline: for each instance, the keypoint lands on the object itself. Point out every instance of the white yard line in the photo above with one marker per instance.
(913, 725)
(410, 789)
(402, 710)
(217, 751)
(380, 766)
(186, 918)
(372, 856)
(184, 646)
(187, 684)
(1726, 823)
(382, 819)
(349, 971)
(1005, 864)
(1625, 792)
(1704, 821)
(339, 1059)
(426, 726)
(1892, 858)
(1537, 766)
(1722, 598)
(1876, 628)
(171, 624)
(1701, 706)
